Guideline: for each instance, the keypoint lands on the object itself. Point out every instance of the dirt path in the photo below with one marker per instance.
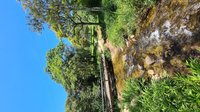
(108, 87)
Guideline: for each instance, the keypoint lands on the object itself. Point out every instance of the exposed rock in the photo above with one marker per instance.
(127, 43)
(132, 36)
(139, 67)
(196, 46)
(148, 61)
(155, 35)
(155, 77)
(122, 49)
(163, 41)
(125, 58)
(130, 70)
(161, 61)
(138, 73)
(176, 62)
(150, 72)
(155, 50)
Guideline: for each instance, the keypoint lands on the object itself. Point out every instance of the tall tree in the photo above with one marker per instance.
(57, 62)
(88, 100)
(76, 71)
(61, 15)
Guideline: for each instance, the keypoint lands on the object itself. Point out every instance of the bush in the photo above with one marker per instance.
(123, 21)
(171, 94)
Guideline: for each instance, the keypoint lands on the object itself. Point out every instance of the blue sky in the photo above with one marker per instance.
(24, 86)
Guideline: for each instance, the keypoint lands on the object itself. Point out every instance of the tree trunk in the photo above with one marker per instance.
(91, 9)
(89, 23)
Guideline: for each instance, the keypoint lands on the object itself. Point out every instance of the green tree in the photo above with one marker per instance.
(61, 15)
(57, 63)
(77, 72)
(88, 100)
(83, 68)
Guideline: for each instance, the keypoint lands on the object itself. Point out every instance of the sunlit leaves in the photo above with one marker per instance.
(180, 93)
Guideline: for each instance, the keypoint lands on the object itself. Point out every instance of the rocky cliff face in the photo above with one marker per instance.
(165, 39)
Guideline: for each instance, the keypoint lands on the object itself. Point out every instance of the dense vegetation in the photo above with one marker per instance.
(124, 18)
(71, 19)
(76, 70)
(76, 67)
(170, 94)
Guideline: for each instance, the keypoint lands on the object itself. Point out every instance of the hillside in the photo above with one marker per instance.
(164, 40)
(124, 53)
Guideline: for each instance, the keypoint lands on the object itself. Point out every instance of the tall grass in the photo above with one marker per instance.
(172, 94)
(123, 18)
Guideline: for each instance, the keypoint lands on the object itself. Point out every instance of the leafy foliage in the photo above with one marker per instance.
(62, 16)
(57, 62)
(77, 72)
(194, 66)
(75, 68)
(124, 18)
(171, 94)
(88, 100)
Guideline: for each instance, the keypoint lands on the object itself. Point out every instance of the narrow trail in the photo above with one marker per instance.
(107, 83)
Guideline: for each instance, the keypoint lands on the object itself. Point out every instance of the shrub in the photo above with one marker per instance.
(123, 21)
(171, 94)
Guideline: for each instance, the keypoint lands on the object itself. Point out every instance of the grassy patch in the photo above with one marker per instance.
(123, 17)
(172, 94)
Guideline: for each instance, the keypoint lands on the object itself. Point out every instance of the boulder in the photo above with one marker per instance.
(150, 72)
(148, 61)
